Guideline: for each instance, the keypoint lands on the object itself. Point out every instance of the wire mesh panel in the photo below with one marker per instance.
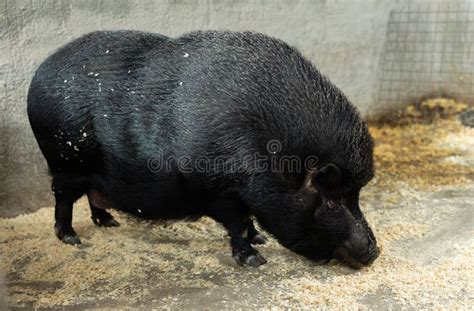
(428, 52)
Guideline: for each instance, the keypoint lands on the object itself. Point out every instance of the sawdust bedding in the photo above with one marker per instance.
(164, 264)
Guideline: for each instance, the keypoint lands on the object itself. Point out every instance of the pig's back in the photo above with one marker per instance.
(88, 94)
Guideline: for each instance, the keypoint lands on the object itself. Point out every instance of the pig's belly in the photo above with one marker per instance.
(148, 205)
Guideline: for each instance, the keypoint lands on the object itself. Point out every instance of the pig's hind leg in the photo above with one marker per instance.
(67, 188)
(98, 204)
(100, 217)
(233, 215)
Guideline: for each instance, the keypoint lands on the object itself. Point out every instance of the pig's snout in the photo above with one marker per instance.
(358, 251)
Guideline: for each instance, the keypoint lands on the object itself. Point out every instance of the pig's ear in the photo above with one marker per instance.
(328, 176)
(308, 184)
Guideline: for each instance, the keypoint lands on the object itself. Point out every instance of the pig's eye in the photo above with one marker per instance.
(332, 204)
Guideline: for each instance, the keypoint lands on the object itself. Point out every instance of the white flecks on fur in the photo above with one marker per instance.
(68, 143)
(107, 52)
(142, 96)
(181, 83)
(105, 115)
(65, 81)
(128, 71)
(76, 148)
(139, 210)
(62, 156)
(112, 89)
(96, 74)
(83, 66)
(133, 92)
(73, 78)
(90, 73)
(84, 134)
(185, 54)
(66, 97)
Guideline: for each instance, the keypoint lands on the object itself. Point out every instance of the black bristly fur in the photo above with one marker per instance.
(105, 104)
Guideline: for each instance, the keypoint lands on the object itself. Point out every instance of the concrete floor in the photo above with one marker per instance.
(421, 211)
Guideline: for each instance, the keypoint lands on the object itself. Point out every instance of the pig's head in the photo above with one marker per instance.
(334, 226)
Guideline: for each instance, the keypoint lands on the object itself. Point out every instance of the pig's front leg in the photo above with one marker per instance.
(253, 235)
(242, 251)
(233, 215)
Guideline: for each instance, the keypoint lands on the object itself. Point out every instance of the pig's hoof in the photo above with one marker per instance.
(105, 222)
(71, 239)
(67, 237)
(110, 223)
(253, 259)
(259, 239)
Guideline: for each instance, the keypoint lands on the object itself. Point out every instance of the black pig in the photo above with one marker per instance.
(167, 128)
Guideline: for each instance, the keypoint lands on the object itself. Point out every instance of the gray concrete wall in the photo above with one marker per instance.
(343, 38)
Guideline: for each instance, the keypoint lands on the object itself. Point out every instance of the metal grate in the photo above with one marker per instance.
(428, 53)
